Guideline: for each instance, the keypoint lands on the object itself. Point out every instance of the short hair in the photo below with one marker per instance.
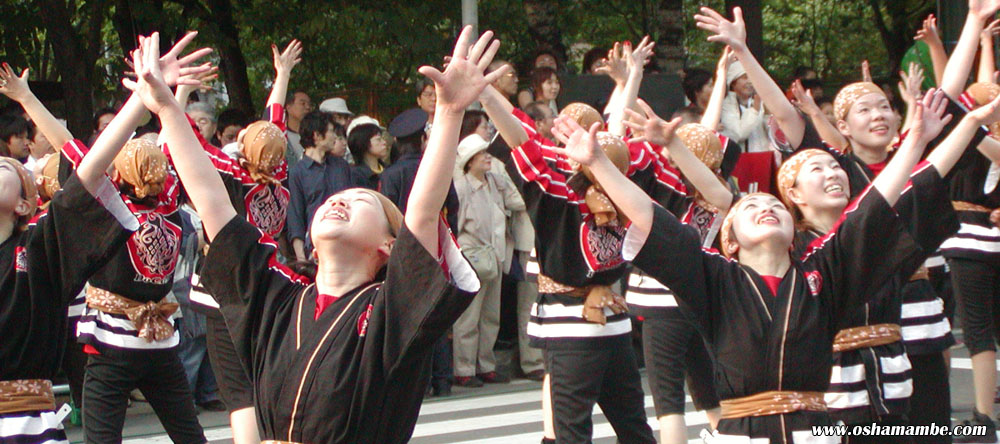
(496, 64)
(232, 117)
(536, 110)
(811, 83)
(470, 122)
(542, 52)
(422, 84)
(801, 71)
(412, 144)
(595, 54)
(202, 107)
(314, 122)
(539, 76)
(13, 125)
(290, 97)
(360, 140)
(101, 112)
(824, 100)
(694, 80)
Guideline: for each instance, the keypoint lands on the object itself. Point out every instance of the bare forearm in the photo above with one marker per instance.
(987, 62)
(891, 181)
(110, 142)
(828, 132)
(625, 194)
(939, 59)
(772, 95)
(280, 89)
(499, 110)
(430, 186)
(703, 179)
(55, 132)
(946, 154)
(956, 72)
(200, 179)
(713, 111)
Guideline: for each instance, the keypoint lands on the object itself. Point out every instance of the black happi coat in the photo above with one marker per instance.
(44, 267)
(764, 342)
(358, 373)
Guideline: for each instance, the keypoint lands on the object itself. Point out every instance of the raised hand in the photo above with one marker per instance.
(580, 143)
(286, 60)
(929, 117)
(909, 87)
(804, 99)
(615, 65)
(929, 32)
(990, 30)
(192, 82)
(12, 86)
(150, 86)
(643, 51)
(725, 59)
(462, 81)
(176, 69)
(866, 71)
(732, 33)
(984, 9)
(653, 128)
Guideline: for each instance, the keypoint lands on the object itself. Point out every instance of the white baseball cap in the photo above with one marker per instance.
(361, 120)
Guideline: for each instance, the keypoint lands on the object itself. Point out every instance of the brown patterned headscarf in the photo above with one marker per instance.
(599, 204)
(851, 93)
(789, 171)
(48, 176)
(263, 149)
(393, 216)
(584, 114)
(703, 143)
(983, 93)
(143, 165)
(28, 190)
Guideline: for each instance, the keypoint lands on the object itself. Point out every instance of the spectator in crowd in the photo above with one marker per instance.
(38, 149)
(395, 183)
(476, 122)
(545, 88)
(231, 122)
(803, 72)
(204, 116)
(593, 59)
(426, 100)
(102, 117)
(484, 202)
(543, 116)
(321, 173)
(298, 105)
(192, 349)
(743, 112)
(507, 83)
(543, 59)
(370, 150)
(697, 85)
(338, 107)
(15, 136)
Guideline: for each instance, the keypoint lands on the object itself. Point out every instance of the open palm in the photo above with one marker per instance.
(463, 80)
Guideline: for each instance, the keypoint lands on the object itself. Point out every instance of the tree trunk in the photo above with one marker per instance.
(231, 61)
(754, 19)
(75, 61)
(670, 52)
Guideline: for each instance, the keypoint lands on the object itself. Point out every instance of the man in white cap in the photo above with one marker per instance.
(338, 107)
(743, 112)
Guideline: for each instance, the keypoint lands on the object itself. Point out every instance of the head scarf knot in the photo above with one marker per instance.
(263, 148)
(600, 205)
(143, 165)
(851, 93)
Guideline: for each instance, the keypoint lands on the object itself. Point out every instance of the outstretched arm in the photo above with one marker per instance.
(928, 121)
(987, 61)
(16, 88)
(457, 87)
(950, 150)
(929, 35)
(200, 179)
(499, 109)
(635, 61)
(713, 111)
(734, 34)
(824, 128)
(616, 68)
(660, 132)
(183, 92)
(909, 90)
(283, 64)
(956, 72)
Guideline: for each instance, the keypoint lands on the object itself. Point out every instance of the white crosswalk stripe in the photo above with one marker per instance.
(505, 418)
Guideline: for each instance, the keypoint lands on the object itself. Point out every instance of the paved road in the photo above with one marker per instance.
(501, 414)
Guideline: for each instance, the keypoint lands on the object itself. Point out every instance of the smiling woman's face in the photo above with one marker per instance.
(353, 217)
(870, 122)
(762, 218)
